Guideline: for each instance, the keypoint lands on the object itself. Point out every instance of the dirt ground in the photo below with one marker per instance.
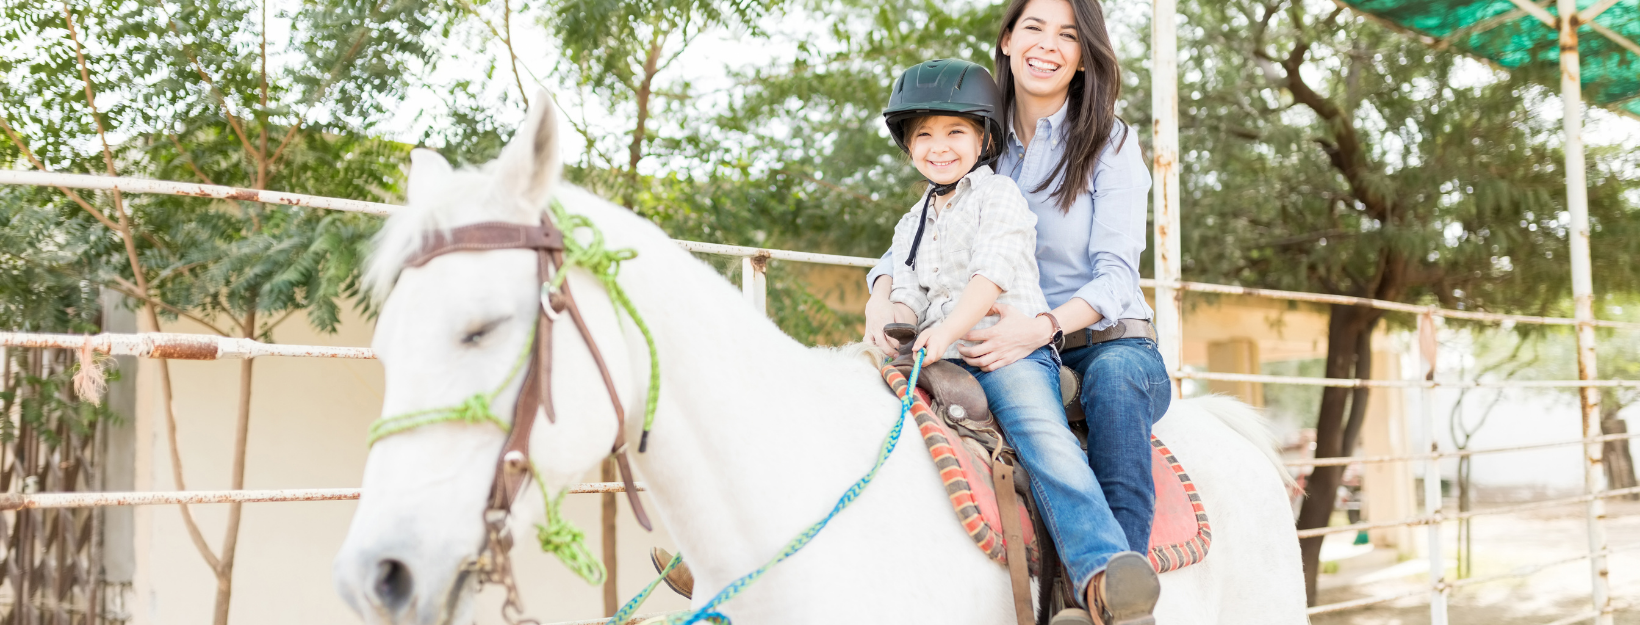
(1503, 544)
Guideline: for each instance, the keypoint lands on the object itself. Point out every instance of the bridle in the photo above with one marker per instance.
(513, 467)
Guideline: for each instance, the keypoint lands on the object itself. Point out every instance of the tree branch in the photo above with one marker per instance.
(325, 86)
(72, 194)
(233, 120)
(189, 159)
(129, 290)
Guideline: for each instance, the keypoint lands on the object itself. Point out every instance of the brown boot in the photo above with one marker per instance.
(1126, 592)
(680, 580)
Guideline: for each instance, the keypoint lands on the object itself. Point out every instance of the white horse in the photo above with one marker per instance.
(755, 438)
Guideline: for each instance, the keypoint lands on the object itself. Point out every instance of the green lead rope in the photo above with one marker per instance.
(605, 265)
(708, 613)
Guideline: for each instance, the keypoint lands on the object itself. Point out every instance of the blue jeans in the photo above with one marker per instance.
(1024, 396)
(1125, 390)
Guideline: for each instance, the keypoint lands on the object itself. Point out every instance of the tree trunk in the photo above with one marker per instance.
(610, 512)
(230, 542)
(1619, 464)
(1345, 328)
(651, 66)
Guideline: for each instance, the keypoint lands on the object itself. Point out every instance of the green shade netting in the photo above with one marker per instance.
(1498, 31)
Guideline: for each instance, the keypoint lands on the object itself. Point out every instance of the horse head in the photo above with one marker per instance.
(452, 335)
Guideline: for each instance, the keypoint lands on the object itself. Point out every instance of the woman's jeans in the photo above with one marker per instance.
(1101, 503)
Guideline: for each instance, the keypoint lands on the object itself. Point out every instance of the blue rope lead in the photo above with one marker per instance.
(708, 613)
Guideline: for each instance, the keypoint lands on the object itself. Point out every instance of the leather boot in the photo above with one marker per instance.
(680, 580)
(1126, 593)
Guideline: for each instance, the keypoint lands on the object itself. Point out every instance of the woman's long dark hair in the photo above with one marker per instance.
(1091, 105)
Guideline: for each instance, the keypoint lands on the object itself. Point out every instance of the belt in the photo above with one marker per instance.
(1123, 329)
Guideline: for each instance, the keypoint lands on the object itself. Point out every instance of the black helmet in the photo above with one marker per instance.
(946, 87)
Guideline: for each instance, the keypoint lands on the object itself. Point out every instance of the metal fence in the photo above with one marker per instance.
(754, 266)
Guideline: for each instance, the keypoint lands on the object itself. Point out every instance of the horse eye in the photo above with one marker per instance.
(474, 336)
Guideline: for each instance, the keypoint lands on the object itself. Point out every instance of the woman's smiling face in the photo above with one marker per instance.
(944, 148)
(1042, 49)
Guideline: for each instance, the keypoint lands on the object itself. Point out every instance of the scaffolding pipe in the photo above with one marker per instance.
(1577, 203)
(1164, 107)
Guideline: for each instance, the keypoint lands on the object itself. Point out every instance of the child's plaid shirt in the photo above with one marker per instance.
(986, 230)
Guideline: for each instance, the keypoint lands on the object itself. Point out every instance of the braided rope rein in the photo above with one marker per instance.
(708, 612)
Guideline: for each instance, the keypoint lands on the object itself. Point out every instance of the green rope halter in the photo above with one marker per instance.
(605, 265)
(558, 536)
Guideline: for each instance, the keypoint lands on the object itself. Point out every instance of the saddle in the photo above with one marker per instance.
(978, 469)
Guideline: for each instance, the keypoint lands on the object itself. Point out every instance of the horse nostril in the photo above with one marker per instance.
(393, 584)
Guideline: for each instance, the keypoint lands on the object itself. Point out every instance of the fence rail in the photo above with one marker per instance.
(753, 267)
(1439, 517)
(1337, 462)
(18, 501)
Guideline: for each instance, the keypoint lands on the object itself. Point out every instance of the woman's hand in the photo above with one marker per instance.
(881, 312)
(1014, 337)
(937, 340)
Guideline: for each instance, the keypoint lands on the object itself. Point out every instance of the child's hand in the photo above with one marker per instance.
(937, 340)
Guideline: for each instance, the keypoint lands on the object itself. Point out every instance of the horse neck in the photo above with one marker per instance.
(756, 435)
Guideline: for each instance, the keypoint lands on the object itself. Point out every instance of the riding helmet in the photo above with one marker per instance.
(946, 87)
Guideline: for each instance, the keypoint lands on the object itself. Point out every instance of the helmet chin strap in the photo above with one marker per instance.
(943, 190)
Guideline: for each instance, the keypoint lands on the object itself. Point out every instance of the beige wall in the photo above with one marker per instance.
(308, 421)
(308, 426)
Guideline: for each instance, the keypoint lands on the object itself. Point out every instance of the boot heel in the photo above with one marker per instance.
(1130, 590)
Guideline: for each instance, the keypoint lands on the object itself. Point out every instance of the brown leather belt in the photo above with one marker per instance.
(1122, 329)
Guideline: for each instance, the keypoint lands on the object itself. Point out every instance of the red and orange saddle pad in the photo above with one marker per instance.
(1179, 537)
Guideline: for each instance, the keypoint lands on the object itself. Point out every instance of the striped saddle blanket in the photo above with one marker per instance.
(1179, 537)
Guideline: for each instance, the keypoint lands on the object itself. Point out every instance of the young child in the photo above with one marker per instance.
(970, 243)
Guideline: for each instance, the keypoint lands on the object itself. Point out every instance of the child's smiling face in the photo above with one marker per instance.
(944, 147)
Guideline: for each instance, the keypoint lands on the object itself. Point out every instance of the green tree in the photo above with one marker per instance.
(1327, 153)
(156, 90)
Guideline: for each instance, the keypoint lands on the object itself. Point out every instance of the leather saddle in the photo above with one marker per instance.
(957, 396)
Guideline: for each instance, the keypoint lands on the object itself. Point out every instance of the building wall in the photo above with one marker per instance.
(307, 430)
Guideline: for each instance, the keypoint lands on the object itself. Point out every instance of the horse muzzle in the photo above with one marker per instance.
(391, 586)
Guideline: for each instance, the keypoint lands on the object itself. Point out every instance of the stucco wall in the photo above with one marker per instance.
(308, 422)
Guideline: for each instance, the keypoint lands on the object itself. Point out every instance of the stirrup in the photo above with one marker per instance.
(681, 580)
(1072, 616)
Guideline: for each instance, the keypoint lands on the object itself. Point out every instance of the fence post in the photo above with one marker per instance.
(1577, 203)
(1432, 471)
(1164, 106)
(754, 281)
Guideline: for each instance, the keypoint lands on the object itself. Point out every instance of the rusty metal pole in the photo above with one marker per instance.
(1164, 107)
(1577, 203)
(1433, 503)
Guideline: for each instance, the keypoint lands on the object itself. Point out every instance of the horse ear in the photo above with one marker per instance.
(530, 163)
(427, 170)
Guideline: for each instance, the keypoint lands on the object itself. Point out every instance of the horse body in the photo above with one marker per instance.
(754, 439)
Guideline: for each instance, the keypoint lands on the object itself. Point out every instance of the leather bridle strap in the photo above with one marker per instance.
(512, 468)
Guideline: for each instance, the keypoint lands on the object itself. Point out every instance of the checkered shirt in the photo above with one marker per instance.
(988, 230)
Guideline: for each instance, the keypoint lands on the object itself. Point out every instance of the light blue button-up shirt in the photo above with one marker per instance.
(1092, 251)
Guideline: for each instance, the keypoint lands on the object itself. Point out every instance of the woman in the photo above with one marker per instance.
(1084, 178)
